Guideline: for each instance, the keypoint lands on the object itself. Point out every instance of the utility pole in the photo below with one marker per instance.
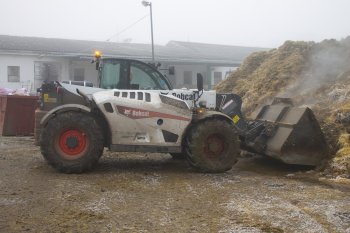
(146, 4)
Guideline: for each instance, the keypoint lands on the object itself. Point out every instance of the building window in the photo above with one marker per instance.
(13, 74)
(79, 74)
(188, 77)
(217, 77)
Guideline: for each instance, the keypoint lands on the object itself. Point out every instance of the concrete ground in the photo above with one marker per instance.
(154, 193)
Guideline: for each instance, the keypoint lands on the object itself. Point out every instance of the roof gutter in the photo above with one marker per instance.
(145, 58)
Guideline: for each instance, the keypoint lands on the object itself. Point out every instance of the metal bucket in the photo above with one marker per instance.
(297, 136)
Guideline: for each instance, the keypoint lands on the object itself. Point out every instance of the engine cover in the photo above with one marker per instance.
(144, 118)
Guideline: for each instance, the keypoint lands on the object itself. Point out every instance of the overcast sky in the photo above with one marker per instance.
(263, 23)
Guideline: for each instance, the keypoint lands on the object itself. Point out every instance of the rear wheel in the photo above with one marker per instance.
(72, 142)
(39, 114)
(212, 146)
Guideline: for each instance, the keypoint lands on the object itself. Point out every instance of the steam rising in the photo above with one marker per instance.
(316, 75)
(328, 63)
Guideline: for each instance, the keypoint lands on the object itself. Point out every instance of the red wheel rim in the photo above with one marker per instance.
(72, 142)
(214, 146)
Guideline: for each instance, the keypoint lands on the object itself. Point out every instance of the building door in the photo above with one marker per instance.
(46, 72)
(188, 82)
(217, 77)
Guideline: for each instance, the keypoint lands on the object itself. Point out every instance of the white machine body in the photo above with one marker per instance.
(144, 118)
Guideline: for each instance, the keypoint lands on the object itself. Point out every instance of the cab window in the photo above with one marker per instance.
(111, 75)
(143, 77)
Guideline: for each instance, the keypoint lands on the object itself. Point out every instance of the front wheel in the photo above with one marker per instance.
(212, 146)
(72, 142)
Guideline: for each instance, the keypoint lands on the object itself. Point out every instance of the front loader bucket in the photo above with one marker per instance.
(297, 138)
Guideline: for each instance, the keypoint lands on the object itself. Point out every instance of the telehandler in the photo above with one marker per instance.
(135, 109)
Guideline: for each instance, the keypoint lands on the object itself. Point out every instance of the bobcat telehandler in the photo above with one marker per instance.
(136, 110)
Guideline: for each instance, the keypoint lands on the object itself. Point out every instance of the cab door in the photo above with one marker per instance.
(113, 74)
(145, 77)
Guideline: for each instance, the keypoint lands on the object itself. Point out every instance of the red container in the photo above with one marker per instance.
(17, 115)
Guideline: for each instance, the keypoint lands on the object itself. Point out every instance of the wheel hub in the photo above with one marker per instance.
(72, 142)
(214, 145)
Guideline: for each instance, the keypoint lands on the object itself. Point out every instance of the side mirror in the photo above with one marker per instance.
(199, 82)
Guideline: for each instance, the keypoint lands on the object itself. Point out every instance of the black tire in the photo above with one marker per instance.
(212, 146)
(178, 156)
(39, 114)
(72, 142)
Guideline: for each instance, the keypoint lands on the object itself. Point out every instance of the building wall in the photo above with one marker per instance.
(26, 67)
(27, 64)
(182, 73)
(179, 80)
(26, 70)
(90, 72)
(184, 76)
(224, 72)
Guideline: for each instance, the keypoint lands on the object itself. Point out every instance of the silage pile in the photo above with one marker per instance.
(316, 75)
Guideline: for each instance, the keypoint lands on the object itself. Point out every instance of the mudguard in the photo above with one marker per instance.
(63, 108)
(211, 114)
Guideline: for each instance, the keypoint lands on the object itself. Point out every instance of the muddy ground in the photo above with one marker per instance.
(154, 193)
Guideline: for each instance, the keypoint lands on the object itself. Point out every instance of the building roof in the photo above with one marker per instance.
(174, 51)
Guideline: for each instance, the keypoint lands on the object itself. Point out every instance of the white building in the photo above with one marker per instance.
(28, 61)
